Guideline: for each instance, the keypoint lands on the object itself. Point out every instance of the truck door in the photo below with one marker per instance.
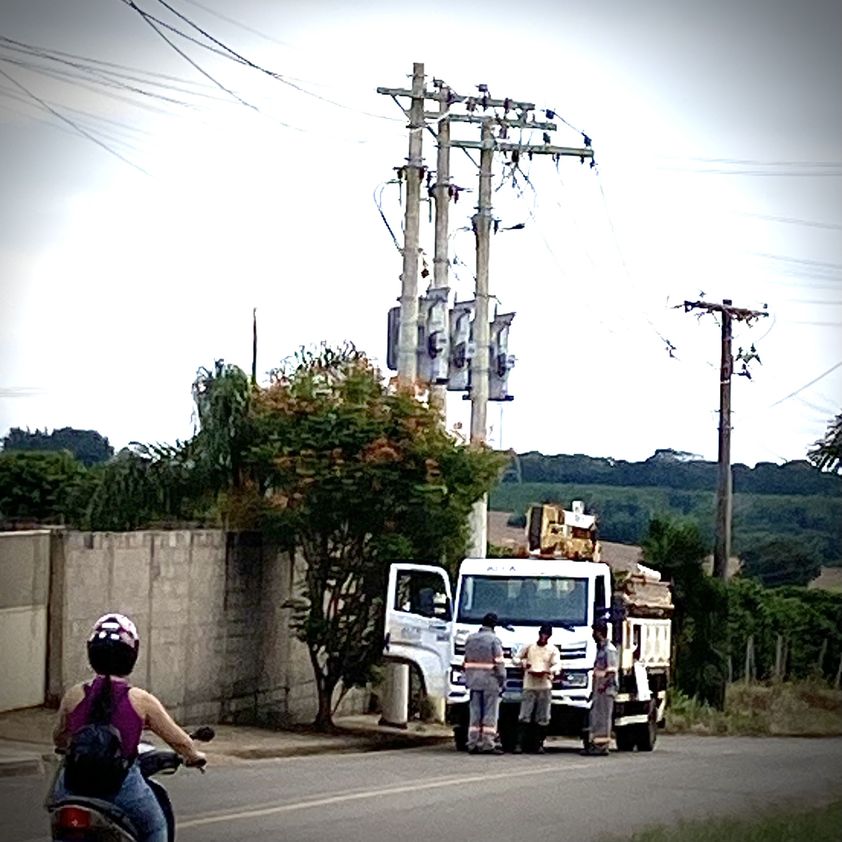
(419, 614)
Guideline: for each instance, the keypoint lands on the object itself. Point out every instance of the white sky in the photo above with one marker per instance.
(117, 285)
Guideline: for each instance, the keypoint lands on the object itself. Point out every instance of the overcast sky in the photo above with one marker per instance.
(132, 256)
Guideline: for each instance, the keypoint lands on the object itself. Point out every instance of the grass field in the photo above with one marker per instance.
(802, 709)
(822, 824)
(829, 580)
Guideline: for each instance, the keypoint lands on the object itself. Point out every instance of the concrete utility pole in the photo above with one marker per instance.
(479, 364)
(441, 261)
(408, 330)
(482, 223)
(514, 115)
(724, 489)
(395, 701)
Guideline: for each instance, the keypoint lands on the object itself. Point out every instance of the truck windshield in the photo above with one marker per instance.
(524, 601)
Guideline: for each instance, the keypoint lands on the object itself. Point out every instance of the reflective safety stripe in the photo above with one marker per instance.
(476, 665)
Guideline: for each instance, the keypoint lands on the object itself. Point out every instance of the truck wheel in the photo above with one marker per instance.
(625, 738)
(460, 738)
(646, 735)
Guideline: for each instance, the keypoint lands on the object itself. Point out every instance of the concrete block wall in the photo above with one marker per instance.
(216, 643)
(24, 584)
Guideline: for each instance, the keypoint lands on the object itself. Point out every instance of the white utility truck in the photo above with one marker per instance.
(560, 581)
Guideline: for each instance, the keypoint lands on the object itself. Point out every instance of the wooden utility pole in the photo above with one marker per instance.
(724, 484)
(254, 347)
(408, 329)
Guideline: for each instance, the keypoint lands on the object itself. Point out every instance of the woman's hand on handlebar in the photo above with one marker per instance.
(199, 761)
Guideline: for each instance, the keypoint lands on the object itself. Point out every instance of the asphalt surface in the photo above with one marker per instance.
(435, 793)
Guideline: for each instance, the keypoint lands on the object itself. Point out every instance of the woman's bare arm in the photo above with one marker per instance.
(160, 722)
(61, 736)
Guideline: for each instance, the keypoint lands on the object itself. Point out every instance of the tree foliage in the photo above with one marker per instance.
(149, 486)
(222, 397)
(87, 446)
(676, 470)
(356, 475)
(713, 619)
(809, 622)
(781, 561)
(826, 453)
(41, 487)
(700, 642)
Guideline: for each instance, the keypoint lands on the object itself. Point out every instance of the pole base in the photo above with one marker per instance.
(385, 723)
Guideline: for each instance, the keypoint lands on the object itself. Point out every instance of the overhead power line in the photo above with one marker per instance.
(755, 162)
(153, 22)
(45, 105)
(235, 56)
(64, 75)
(791, 220)
(49, 52)
(819, 264)
(237, 23)
(102, 72)
(807, 385)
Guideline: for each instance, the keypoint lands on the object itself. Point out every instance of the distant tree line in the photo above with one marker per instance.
(87, 446)
(674, 469)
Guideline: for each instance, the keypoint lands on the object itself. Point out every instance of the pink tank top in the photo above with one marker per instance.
(123, 715)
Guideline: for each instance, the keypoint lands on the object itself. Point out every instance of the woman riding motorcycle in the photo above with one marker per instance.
(112, 651)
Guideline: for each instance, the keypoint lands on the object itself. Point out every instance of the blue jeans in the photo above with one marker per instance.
(136, 800)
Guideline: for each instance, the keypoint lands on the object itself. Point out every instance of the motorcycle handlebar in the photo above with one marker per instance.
(204, 734)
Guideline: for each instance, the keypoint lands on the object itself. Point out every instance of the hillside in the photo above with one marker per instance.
(625, 511)
(673, 470)
(625, 556)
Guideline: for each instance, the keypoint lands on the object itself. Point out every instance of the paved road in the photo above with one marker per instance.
(434, 793)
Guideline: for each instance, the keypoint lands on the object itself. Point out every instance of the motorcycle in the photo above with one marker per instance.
(82, 819)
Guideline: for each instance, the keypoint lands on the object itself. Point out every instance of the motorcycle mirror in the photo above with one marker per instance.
(204, 734)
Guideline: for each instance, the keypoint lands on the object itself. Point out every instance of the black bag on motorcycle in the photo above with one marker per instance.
(95, 766)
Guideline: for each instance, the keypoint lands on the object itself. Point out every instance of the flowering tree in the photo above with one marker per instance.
(354, 474)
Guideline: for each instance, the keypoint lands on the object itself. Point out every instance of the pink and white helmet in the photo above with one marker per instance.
(113, 645)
